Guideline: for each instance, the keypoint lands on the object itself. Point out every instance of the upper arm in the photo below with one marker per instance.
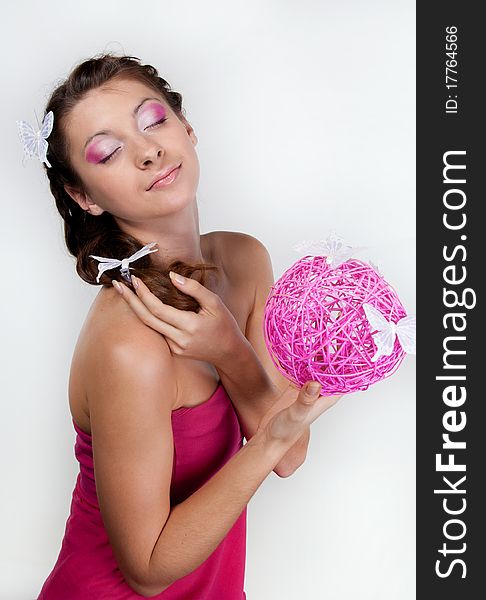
(260, 268)
(260, 271)
(131, 395)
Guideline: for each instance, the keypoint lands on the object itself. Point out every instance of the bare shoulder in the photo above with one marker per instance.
(243, 251)
(112, 337)
(112, 323)
(237, 238)
(247, 263)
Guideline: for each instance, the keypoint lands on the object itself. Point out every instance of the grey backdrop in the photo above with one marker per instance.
(305, 114)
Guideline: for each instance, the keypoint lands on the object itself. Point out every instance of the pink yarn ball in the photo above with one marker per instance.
(315, 326)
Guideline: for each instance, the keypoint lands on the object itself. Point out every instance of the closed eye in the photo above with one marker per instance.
(156, 123)
(110, 156)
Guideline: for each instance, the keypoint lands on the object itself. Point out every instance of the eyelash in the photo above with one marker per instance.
(107, 158)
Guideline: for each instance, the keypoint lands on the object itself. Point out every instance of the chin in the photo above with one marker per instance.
(175, 201)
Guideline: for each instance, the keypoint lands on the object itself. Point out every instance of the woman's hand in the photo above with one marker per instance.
(285, 427)
(207, 335)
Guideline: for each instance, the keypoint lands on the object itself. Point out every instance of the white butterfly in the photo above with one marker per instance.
(388, 331)
(332, 248)
(372, 264)
(34, 142)
(124, 264)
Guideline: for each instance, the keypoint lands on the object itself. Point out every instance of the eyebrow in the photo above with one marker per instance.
(134, 113)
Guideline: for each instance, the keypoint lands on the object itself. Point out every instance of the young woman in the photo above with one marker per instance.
(167, 377)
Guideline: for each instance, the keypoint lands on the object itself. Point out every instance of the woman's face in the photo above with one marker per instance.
(118, 165)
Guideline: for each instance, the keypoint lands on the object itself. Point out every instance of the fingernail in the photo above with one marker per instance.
(134, 281)
(179, 278)
(118, 287)
(313, 388)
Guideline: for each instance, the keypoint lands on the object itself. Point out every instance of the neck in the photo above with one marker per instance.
(177, 237)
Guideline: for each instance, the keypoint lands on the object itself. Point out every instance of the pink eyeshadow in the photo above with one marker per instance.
(155, 112)
(97, 152)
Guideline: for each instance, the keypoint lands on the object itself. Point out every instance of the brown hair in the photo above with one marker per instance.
(100, 235)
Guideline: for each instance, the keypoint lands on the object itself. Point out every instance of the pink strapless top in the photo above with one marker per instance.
(206, 436)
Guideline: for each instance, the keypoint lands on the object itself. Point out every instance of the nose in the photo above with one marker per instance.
(149, 151)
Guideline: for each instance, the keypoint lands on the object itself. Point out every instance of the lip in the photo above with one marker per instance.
(163, 175)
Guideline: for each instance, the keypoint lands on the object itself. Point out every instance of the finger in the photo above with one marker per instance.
(179, 319)
(309, 393)
(206, 298)
(145, 315)
(305, 400)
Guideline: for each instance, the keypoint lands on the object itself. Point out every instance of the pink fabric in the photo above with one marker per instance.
(205, 437)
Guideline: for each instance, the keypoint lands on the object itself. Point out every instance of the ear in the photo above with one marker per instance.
(190, 131)
(84, 201)
(192, 136)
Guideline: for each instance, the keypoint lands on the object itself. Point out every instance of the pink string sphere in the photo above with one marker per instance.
(315, 326)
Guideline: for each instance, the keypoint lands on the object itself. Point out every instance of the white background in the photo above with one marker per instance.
(305, 115)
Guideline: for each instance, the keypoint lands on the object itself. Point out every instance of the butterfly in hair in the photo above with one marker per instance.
(34, 142)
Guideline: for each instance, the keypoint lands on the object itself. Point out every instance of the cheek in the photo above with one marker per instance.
(124, 186)
(114, 188)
